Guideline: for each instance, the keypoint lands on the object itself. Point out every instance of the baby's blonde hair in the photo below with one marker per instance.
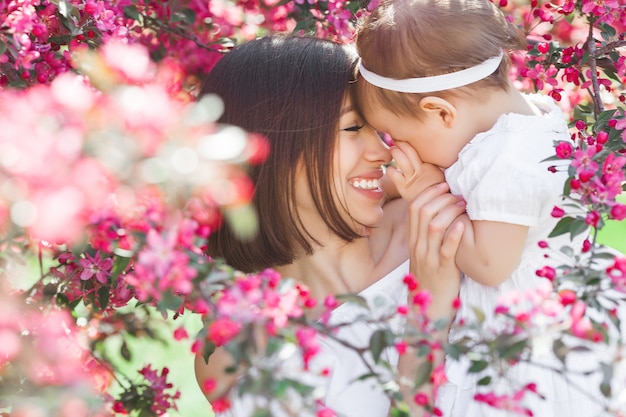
(418, 38)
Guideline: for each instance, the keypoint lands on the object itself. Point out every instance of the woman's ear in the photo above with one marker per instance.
(440, 109)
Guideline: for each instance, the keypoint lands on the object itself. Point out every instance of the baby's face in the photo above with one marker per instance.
(427, 137)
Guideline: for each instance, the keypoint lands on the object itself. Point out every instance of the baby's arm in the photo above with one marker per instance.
(489, 250)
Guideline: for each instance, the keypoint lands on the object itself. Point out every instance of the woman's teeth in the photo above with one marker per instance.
(366, 184)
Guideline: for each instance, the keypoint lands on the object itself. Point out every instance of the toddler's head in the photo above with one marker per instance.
(412, 39)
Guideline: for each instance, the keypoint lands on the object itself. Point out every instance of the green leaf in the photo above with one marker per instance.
(132, 12)
(513, 351)
(367, 376)
(169, 302)
(477, 366)
(424, 371)
(103, 297)
(61, 300)
(119, 265)
(607, 376)
(608, 30)
(207, 350)
(378, 342)
(397, 412)
(185, 15)
(454, 351)
(486, 380)
(125, 352)
(577, 227)
(562, 227)
(353, 298)
(480, 316)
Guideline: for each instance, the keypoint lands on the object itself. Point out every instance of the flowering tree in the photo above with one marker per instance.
(113, 176)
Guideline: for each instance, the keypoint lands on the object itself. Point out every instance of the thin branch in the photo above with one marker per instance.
(611, 46)
(591, 46)
(182, 33)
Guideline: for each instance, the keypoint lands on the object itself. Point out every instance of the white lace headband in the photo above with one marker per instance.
(436, 82)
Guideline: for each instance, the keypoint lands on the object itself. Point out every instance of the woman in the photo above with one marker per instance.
(320, 204)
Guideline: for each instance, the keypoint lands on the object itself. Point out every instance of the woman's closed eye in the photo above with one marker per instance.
(354, 128)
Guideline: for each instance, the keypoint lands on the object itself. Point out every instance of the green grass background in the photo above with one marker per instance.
(176, 355)
(614, 233)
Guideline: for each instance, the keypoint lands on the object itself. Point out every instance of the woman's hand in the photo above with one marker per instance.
(410, 175)
(435, 235)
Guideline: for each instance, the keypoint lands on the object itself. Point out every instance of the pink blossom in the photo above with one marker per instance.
(180, 333)
(421, 398)
(567, 297)
(422, 299)
(618, 212)
(583, 160)
(95, 266)
(401, 347)
(222, 330)
(592, 218)
(325, 412)
(557, 212)
(564, 150)
(541, 75)
(547, 272)
(309, 344)
(617, 273)
(410, 281)
(220, 405)
(161, 400)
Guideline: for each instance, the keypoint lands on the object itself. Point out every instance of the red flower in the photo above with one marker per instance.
(220, 405)
(567, 297)
(557, 212)
(222, 330)
(546, 272)
(421, 398)
(564, 150)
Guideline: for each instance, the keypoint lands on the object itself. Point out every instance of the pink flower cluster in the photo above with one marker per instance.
(511, 403)
(260, 299)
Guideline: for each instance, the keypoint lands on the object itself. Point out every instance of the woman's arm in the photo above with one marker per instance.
(215, 370)
(490, 251)
(435, 235)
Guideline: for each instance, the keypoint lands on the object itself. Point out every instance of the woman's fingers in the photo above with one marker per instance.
(423, 208)
(452, 240)
(439, 249)
(416, 219)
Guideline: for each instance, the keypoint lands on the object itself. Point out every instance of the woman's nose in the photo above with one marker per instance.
(376, 148)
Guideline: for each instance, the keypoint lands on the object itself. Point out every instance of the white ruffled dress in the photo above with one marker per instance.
(501, 175)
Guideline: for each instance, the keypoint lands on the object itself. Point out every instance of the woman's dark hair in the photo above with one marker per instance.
(290, 89)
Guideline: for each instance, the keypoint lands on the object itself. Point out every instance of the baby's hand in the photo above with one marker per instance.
(411, 175)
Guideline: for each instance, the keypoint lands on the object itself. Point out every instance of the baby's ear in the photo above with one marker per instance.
(439, 109)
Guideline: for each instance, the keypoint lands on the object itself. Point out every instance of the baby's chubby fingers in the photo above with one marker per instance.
(406, 157)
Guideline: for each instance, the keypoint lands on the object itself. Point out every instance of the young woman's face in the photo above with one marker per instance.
(358, 160)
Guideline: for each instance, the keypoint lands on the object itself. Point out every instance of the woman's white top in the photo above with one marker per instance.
(340, 390)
